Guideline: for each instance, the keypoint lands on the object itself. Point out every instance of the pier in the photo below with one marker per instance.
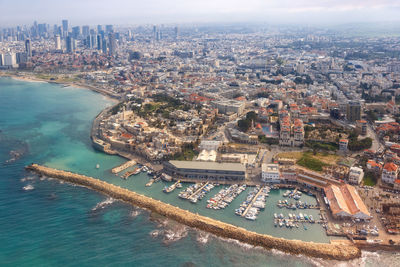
(252, 201)
(198, 190)
(336, 250)
(123, 166)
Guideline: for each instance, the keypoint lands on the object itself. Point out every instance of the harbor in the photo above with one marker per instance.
(335, 250)
(225, 197)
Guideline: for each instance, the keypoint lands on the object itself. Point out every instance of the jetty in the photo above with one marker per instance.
(123, 166)
(251, 203)
(198, 190)
(335, 250)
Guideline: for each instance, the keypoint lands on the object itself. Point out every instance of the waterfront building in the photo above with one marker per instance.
(270, 173)
(356, 175)
(10, 60)
(205, 170)
(344, 202)
(390, 172)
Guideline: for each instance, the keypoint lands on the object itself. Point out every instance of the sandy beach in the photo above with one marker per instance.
(30, 78)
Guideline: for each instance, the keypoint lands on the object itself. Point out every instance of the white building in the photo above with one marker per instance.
(229, 106)
(10, 60)
(356, 175)
(390, 172)
(210, 145)
(270, 173)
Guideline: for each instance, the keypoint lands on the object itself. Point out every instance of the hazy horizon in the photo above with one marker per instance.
(122, 12)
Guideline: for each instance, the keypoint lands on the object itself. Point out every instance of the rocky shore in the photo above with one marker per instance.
(338, 250)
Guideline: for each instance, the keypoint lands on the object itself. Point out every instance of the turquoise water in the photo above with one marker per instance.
(59, 224)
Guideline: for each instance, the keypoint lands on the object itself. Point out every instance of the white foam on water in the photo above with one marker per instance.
(104, 203)
(202, 237)
(28, 187)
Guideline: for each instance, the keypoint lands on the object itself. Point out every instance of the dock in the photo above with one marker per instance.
(123, 166)
(198, 190)
(171, 188)
(134, 172)
(252, 201)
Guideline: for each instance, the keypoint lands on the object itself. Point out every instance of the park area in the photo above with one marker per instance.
(311, 161)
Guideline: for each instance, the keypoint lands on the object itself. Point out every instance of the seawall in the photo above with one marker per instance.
(335, 250)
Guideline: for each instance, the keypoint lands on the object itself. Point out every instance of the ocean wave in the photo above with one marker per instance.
(135, 213)
(202, 237)
(174, 235)
(28, 178)
(155, 233)
(28, 187)
(103, 204)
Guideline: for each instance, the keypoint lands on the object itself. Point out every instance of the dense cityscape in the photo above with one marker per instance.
(306, 110)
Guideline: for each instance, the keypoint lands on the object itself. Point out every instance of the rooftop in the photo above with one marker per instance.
(201, 165)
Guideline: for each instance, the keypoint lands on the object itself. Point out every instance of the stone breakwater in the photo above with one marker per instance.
(335, 250)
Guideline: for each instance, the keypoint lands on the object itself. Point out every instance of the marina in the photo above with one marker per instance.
(293, 220)
(196, 191)
(254, 202)
(225, 196)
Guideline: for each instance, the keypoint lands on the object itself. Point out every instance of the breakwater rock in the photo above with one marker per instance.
(336, 250)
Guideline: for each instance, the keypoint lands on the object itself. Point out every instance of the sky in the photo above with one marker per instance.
(131, 12)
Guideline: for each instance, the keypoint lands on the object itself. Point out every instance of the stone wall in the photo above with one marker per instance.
(336, 250)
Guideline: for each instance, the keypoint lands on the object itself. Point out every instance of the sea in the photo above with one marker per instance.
(45, 222)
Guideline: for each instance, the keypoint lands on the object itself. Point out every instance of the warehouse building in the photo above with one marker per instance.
(205, 170)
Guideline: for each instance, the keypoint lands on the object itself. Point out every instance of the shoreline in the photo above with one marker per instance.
(336, 250)
(24, 77)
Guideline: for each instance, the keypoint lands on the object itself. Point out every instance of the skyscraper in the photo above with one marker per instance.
(28, 48)
(109, 28)
(176, 33)
(353, 111)
(76, 32)
(85, 31)
(104, 46)
(70, 44)
(65, 25)
(99, 42)
(57, 40)
(112, 47)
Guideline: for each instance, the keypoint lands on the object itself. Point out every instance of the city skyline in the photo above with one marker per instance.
(177, 11)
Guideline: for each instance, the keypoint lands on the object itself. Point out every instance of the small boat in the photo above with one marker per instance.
(97, 166)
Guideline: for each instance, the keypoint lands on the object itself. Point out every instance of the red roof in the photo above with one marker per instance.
(391, 167)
